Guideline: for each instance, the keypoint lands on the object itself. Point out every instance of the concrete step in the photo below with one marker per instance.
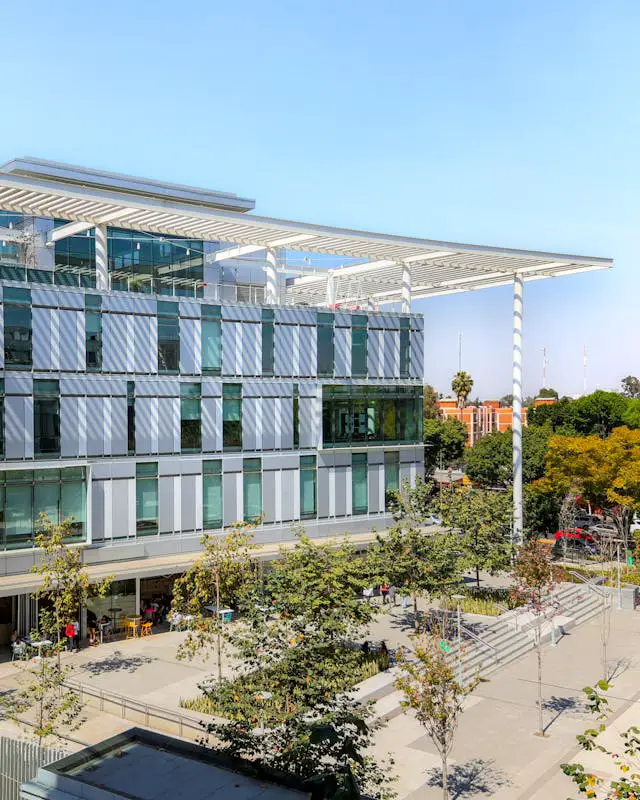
(388, 707)
(376, 687)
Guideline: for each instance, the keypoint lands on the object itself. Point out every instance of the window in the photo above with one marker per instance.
(359, 489)
(252, 486)
(131, 417)
(211, 340)
(359, 346)
(17, 328)
(296, 416)
(391, 477)
(146, 499)
(371, 415)
(325, 345)
(1, 417)
(93, 332)
(190, 427)
(168, 337)
(26, 494)
(75, 259)
(268, 341)
(405, 348)
(308, 487)
(46, 418)
(211, 494)
(232, 417)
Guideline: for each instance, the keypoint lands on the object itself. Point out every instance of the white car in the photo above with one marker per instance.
(433, 519)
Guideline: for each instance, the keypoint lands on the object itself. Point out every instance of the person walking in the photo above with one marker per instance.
(69, 632)
(76, 634)
(384, 591)
(392, 594)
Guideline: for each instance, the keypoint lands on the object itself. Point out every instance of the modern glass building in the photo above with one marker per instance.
(155, 387)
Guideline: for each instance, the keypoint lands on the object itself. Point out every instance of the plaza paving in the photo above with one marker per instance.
(496, 753)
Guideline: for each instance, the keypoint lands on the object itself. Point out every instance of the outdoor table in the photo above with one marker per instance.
(225, 613)
(39, 645)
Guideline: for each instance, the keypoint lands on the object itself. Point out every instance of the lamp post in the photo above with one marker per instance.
(458, 598)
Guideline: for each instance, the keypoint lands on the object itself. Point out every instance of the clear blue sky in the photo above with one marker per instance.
(494, 122)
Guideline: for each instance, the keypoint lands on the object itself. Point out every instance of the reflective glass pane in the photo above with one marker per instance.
(212, 501)
(211, 347)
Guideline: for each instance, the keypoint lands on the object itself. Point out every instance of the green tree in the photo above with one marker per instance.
(220, 576)
(631, 386)
(557, 416)
(481, 520)
(597, 413)
(541, 510)
(490, 461)
(444, 441)
(626, 756)
(547, 392)
(461, 386)
(432, 691)
(506, 401)
(631, 416)
(430, 408)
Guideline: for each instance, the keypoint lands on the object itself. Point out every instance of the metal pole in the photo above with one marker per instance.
(405, 306)
(517, 410)
(271, 288)
(619, 577)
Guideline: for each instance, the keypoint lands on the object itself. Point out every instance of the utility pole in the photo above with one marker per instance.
(545, 364)
(459, 352)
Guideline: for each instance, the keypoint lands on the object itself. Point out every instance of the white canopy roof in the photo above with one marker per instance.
(436, 267)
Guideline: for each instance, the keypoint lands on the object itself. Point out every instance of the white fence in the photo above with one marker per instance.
(19, 763)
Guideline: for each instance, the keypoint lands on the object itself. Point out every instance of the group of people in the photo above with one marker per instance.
(387, 593)
(155, 610)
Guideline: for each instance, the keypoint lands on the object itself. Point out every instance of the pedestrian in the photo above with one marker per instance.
(69, 632)
(392, 594)
(384, 591)
(367, 592)
(384, 653)
(76, 634)
(365, 648)
(405, 602)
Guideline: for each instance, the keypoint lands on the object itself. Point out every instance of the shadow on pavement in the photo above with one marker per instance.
(117, 663)
(471, 779)
(562, 705)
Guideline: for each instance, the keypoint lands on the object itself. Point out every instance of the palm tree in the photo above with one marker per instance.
(461, 386)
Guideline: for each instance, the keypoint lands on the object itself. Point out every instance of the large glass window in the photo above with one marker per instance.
(46, 418)
(232, 417)
(268, 341)
(296, 416)
(212, 494)
(391, 476)
(17, 328)
(131, 417)
(211, 340)
(190, 427)
(359, 346)
(359, 480)
(308, 487)
(143, 262)
(252, 489)
(371, 415)
(1, 417)
(146, 499)
(168, 338)
(93, 331)
(405, 348)
(26, 494)
(75, 259)
(325, 345)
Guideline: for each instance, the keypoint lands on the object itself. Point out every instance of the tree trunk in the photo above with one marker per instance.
(478, 577)
(415, 612)
(445, 778)
(539, 655)
(217, 622)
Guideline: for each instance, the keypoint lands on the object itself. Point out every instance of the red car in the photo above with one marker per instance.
(575, 533)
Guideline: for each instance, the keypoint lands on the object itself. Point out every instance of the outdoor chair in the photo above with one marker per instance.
(175, 622)
(19, 650)
(146, 629)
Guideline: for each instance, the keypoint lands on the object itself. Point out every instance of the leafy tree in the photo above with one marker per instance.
(433, 693)
(631, 386)
(490, 461)
(219, 577)
(556, 415)
(461, 386)
(631, 416)
(626, 758)
(430, 408)
(547, 392)
(597, 413)
(506, 401)
(603, 472)
(541, 510)
(481, 520)
(444, 441)
(534, 576)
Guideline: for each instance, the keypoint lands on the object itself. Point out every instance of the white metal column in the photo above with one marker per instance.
(271, 291)
(331, 289)
(517, 410)
(406, 289)
(102, 266)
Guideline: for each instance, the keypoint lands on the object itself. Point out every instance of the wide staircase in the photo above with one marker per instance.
(487, 647)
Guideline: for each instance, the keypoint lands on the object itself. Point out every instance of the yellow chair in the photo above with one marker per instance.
(132, 629)
(146, 629)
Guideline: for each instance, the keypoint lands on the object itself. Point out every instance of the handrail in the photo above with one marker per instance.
(475, 636)
(589, 583)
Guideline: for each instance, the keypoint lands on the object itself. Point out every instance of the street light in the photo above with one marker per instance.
(459, 598)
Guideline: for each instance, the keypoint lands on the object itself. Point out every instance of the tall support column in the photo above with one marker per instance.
(271, 291)
(331, 289)
(406, 290)
(102, 266)
(517, 411)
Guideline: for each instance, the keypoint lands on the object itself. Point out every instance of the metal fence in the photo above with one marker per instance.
(19, 763)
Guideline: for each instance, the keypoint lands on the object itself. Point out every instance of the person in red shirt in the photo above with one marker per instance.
(384, 591)
(70, 633)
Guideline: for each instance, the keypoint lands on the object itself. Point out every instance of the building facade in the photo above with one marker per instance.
(152, 393)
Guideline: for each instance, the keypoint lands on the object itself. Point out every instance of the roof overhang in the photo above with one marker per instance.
(436, 267)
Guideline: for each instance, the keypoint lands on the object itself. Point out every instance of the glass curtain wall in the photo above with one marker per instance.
(359, 341)
(168, 338)
(359, 483)
(268, 341)
(296, 416)
(232, 417)
(308, 487)
(391, 477)
(93, 331)
(146, 499)
(212, 494)
(25, 494)
(1, 417)
(18, 342)
(252, 489)
(75, 259)
(405, 348)
(46, 418)
(211, 332)
(325, 345)
(131, 417)
(190, 425)
(371, 415)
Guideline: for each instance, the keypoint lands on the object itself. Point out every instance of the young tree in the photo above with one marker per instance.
(547, 392)
(534, 574)
(481, 520)
(444, 442)
(223, 572)
(461, 386)
(432, 691)
(430, 408)
(627, 783)
(631, 386)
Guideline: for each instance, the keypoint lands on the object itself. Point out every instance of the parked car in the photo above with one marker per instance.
(574, 548)
(575, 534)
(433, 519)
